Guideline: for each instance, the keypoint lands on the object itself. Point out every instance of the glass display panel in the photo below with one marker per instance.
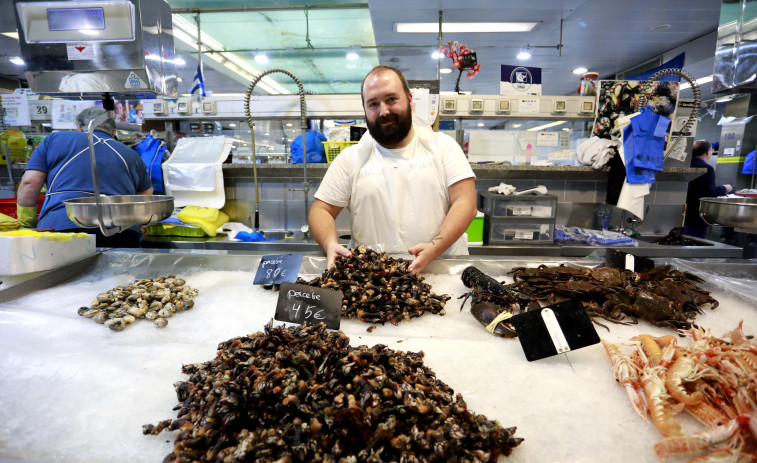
(75, 19)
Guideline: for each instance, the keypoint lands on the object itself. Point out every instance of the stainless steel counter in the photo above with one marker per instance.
(484, 171)
(300, 244)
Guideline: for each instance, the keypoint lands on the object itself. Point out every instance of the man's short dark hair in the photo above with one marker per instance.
(380, 69)
(701, 147)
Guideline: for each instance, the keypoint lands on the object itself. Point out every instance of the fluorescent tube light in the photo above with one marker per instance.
(445, 70)
(579, 70)
(700, 81)
(524, 55)
(185, 31)
(546, 126)
(433, 27)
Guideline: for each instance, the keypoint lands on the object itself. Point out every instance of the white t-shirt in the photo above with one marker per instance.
(401, 198)
(336, 186)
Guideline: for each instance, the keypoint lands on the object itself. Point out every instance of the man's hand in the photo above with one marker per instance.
(424, 254)
(334, 250)
(728, 188)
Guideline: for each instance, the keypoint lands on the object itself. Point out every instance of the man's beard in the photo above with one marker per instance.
(392, 134)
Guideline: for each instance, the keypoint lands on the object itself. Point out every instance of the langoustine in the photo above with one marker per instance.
(712, 379)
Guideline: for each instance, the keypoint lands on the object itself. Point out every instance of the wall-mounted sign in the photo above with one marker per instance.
(519, 80)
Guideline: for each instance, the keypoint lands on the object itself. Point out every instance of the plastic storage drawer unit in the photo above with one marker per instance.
(537, 206)
(518, 231)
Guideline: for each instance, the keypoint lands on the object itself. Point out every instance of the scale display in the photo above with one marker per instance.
(77, 22)
(75, 19)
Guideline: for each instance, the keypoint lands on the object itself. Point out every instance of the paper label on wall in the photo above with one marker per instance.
(65, 111)
(133, 81)
(547, 138)
(16, 110)
(728, 151)
(421, 105)
(679, 151)
(80, 51)
(528, 106)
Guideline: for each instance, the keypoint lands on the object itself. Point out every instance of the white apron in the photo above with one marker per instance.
(400, 207)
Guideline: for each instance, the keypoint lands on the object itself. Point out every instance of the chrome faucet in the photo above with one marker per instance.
(303, 123)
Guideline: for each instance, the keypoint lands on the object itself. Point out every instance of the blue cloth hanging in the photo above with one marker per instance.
(649, 139)
(152, 150)
(749, 163)
(316, 152)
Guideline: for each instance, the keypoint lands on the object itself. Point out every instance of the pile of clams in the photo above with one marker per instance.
(155, 299)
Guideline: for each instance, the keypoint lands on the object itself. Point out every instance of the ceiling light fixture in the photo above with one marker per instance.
(186, 31)
(445, 70)
(546, 126)
(660, 28)
(515, 126)
(433, 27)
(232, 125)
(480, 124)
(578, 71)
(261, 58)
(16, 60)
(179, 79)
(352, 55)
(700, 81)
(524, 55)
(436, 55)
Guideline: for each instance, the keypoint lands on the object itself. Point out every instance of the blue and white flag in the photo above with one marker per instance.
(198, 85)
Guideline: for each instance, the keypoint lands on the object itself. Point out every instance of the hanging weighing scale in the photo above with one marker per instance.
(92, 50)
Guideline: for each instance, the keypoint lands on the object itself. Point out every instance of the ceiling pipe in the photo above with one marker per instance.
(239, 9)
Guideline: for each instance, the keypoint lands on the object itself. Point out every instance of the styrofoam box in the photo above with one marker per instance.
(43, 252)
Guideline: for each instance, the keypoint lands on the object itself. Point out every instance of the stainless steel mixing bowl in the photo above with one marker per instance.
(119, 210)
(729, 212)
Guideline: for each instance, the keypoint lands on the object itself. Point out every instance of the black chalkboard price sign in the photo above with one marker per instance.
(307, 304)
(276, 269)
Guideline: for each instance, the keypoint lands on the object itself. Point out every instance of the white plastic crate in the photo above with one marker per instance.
(42, 251)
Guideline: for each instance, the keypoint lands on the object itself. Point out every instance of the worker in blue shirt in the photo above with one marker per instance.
(701, 187)
(62, 164)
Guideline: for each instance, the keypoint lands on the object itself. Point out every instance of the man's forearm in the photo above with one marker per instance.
(454, 225)
(27, 195)
(322, 226)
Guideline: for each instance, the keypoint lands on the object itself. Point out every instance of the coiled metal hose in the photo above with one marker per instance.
(694, 88)
(303, 125)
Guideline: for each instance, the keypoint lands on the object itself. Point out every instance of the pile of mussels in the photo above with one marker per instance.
(154, 299)
(303, 394)
(378, 288)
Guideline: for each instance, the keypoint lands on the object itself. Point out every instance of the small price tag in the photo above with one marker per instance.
(522, 210)
(276, 269)
(308, 304)
(627, 261)
(524, 235)
(468, 60)
(552, 330)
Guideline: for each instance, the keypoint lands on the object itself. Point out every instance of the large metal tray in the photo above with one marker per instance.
(119, 210)
(729, 212)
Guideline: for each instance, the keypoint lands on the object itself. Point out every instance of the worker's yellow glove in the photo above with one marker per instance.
(27, 215)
